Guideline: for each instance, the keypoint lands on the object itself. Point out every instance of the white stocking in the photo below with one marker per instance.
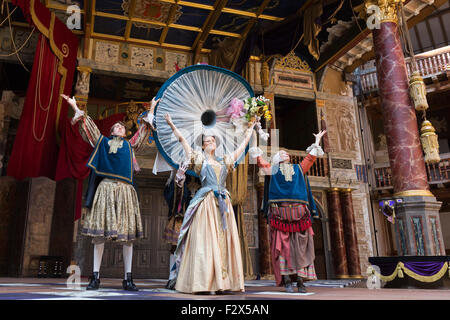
(98, 254)
(127, 258)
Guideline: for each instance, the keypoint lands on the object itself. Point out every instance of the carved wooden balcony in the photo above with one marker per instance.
(432, 67)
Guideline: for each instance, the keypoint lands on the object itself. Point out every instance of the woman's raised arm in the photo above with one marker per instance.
(187, 148)
(239, 150)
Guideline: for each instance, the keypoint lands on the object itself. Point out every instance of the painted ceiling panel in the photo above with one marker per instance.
(109, 6)
(109, 26)
(145, 33)
(192, 16)
(231, 23)
(283, 8)
(181, 37)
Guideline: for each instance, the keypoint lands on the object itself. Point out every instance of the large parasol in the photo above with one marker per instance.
(197, 98)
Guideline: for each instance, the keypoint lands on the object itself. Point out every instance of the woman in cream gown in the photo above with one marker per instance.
(208, 254)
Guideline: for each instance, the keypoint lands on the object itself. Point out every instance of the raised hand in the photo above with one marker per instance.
(71, 101)
(153, 104)
(319, 135)
(180, 177)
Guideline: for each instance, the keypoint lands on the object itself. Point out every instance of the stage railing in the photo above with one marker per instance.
(320, 167)
(428, 66)
(436, 173)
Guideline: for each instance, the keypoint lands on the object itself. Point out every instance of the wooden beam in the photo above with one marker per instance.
(172, 12)
(247, 29)
(87, 28)
(225, 10)
(92, 17)
(207, 27)
(252, 22)
(60, 7)
(131, 9)
(343, 50)
(109, 37)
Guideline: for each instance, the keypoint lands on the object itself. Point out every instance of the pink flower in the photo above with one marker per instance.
(235, 108)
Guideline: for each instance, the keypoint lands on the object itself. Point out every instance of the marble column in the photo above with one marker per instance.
(418, 230)
(400, 122)
(265, 264)
(351, 241)
(337, 236)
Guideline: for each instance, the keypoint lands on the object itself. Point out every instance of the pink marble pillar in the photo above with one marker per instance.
(351, 240)
(337, 237)
(400, 123)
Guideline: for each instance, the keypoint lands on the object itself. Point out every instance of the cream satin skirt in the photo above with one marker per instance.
(212, 258)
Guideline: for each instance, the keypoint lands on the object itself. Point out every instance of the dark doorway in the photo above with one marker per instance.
(296, 121)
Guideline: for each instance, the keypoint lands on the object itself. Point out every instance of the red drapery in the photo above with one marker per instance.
(35, 150)
(75, 152)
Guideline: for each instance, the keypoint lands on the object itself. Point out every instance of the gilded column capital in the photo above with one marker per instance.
(84, 69)
(382, 10)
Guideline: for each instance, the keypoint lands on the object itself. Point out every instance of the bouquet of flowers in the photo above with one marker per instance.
(250, 109)
(257, 107)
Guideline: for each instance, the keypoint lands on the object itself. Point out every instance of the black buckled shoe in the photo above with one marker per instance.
(300, 286)
(129, 284)
(94, 282)
(288, 284)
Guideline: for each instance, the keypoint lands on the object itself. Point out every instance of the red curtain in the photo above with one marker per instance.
(75, 152)
(35, 149)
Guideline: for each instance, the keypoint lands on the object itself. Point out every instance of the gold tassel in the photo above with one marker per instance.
(418, 92)
(400, 272)
(430, 143)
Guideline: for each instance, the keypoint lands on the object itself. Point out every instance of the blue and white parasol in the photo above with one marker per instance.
(197, 98)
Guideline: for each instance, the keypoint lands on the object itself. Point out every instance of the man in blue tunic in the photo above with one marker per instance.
(113, 209)
(289, 204)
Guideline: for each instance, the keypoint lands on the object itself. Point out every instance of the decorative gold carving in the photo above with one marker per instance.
(291, 61)
(134, 109)
(414, 193)
(151, 11)
(388, 9)
(65, 50)
(430, 143)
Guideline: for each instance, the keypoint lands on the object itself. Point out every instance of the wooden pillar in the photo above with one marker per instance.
(265, 265)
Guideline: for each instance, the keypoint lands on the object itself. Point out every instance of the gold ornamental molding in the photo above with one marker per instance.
(414, 193)
(84, 69)
(383, 10)
(291, 61)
